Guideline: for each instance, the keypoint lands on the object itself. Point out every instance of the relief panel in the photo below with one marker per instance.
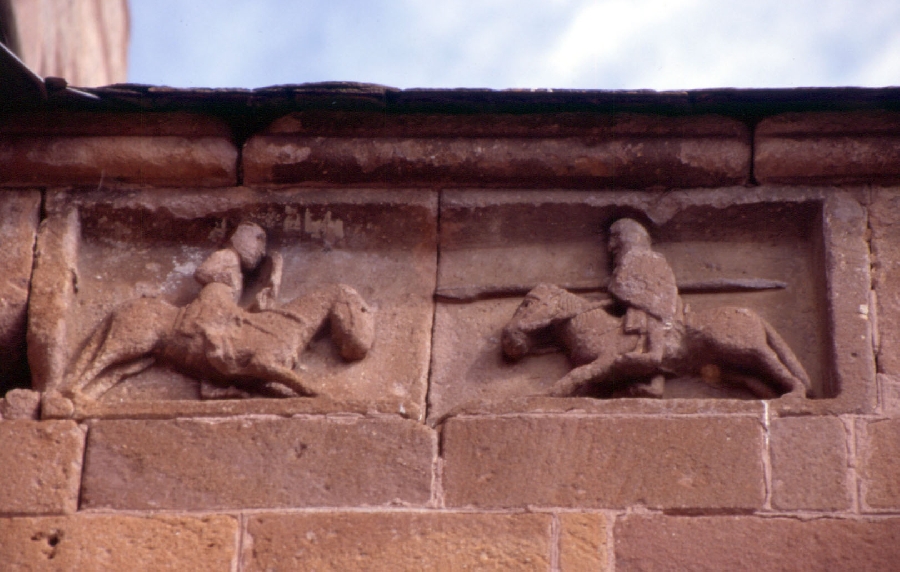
(248, 300)
(747, 273)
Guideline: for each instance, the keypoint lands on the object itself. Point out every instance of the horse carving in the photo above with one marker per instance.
(733, 340)
(255, 348)
(215, 339)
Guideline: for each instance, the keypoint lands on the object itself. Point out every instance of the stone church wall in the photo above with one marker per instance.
(429, 446)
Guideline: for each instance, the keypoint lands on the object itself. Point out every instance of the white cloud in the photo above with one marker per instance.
(602, 44)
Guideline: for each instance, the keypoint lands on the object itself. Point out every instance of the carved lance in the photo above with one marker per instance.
(715, 285)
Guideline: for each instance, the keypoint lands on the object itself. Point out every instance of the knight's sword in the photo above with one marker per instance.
(711, 286)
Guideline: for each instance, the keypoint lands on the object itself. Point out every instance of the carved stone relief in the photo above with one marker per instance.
(701, 294)
(319, 296)
(643, 333)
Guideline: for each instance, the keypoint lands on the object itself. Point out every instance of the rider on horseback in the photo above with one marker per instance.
(643, 282)
(212, 318)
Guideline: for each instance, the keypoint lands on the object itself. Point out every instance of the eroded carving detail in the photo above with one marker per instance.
(644, 333)
(214, 338)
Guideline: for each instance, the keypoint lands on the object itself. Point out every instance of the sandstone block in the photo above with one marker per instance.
(582, 543)
(595, 462)
(625, 150)
(810, 464)
(95, 161)
(104, 542)
(879, 454)
(753, 543)
(828, 148)
(40, 466)
(194, 465)
(19, 214)
(397, 541)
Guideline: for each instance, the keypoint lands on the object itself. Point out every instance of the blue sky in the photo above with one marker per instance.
(585, 44)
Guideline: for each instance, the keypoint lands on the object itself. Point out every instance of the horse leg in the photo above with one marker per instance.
(96, 387)
(801, 385)
(581, 375)
(271, 372)
(769, 361)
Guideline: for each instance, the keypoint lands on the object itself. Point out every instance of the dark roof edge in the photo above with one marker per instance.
(748, 103)
(248, 110)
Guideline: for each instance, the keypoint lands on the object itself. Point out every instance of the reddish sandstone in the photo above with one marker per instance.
(828, 148)
(656, 542)
(397, 541)
(40, 464)
(116, 542)
(880, 463)
(582, 542)
(241, 463)
(596, 462)
(810, 464)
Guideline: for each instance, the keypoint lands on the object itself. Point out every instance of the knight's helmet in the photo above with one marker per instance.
(628, 232)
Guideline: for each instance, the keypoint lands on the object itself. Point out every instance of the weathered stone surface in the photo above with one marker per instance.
(847, 266)
(20, 404)
(397, 541)
(497, 245)
(19, 212)
(595, 462)
(381, 244)
(40, 466)
(879, 453)
(753, 543)
(582, 543)
(886, 276)
(52, 292)
(161, 161)
(890, 393)
(193, 465)
(828, 148)
(106, 542)
(810, 464)
(626, 151)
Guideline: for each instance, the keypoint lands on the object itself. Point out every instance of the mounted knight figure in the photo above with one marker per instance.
(644, 284)
(642, 334)
(230, 333)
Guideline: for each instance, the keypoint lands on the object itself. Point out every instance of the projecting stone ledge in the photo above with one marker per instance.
(586, 151)
(828, 148)
(163, 149)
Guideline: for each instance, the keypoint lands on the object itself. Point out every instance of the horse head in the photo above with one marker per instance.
(544, 306)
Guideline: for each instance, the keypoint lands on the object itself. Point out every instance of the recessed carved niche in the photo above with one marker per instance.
(777, 255)
(148, 304)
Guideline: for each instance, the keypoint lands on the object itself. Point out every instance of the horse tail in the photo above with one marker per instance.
(132, 332)
(785, 354)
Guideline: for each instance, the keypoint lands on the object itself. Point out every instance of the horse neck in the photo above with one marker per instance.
(313, 307)
(571, 305)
